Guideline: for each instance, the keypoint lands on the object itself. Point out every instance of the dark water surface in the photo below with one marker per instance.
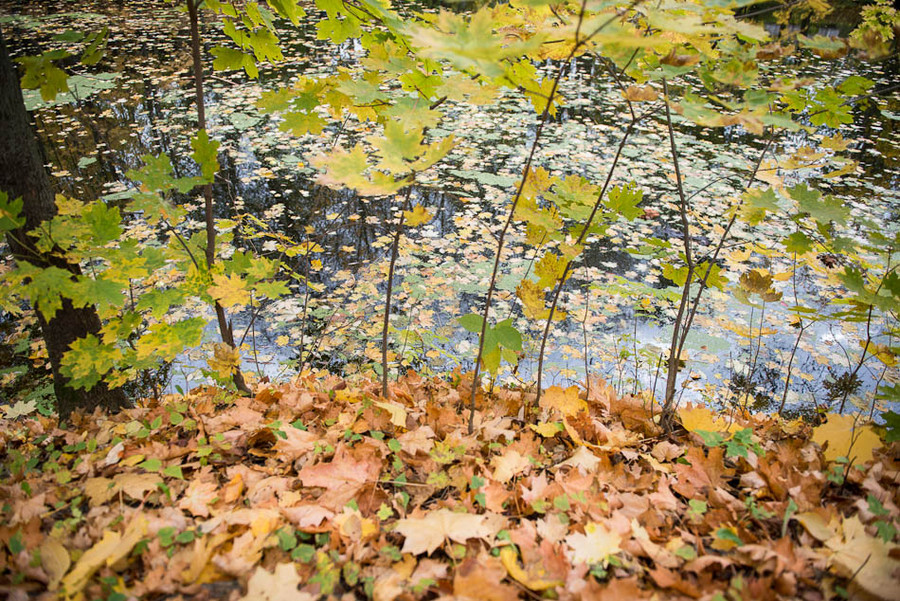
(139, 101)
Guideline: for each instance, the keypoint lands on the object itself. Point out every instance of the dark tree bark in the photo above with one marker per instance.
(225, 329)
(22, 174)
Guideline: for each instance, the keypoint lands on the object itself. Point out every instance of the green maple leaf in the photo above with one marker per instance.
(575, 196)
(412, 113)
(272, 290)
(396, 147)
(421, 83)
(105, 222)
(101, 292)
(265, 46)
(288, 9)
(206, 154)
(337, 30)
(433, 153)
(166, 341)
(300, 123)
(822, 210)
(156, 174)
(96, 47)
(159, 301)
(469, 42)
(343, 168)
(87, 361)
(798, 242)
(332, 8)
(11, 217)
(47, 287)
(363, 91)
(41, 73)
(228, 59)
(276, 100)
(542, 222)
(471, 322)
(757, 202)
(624, 200)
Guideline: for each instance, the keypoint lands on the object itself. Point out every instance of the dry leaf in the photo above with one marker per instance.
(867, 559)
(846, 437)
(424, 535)
(595, 545)
(110, 549)
(55, 561)
(565, 401)
(280, 585)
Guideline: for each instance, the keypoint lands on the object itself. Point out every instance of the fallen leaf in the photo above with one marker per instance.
(280, 585)
(424, 535)
(110, 549)
(510, 561)
(868, 560)
(565, 401)
(843, 436)
(55, 561)
(595, 545)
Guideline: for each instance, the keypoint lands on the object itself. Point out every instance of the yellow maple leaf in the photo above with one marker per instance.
(868, 561)
(225, 360)
(230, 290)
(595, 545)
(565, 401)
(546, 429)
(108, 551)
(417, 216)
(702, 419)
(424, 535)
(396, 411)
(843, 436)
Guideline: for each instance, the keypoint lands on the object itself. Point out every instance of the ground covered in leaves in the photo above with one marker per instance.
(323, 489)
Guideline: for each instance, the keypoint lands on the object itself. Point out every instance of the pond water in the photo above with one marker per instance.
(139, 101)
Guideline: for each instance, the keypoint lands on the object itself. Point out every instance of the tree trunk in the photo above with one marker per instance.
(225, 329)
(22, 174)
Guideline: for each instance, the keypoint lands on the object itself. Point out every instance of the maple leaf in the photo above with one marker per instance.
(701, 419)
(280, 585)
(198, 496)
(869, 561)
(229, 290)
(424, 535)
(509, 464)
(536, 583)
(845, 437)
(565, 401)
(482, 578)
(108, 551)
(397, 146)
(300, 123)
(417, 216)
(225, 360)
(594, 546)
(55, 560)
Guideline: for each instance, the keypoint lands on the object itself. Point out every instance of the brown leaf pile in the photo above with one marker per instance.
(319, 489)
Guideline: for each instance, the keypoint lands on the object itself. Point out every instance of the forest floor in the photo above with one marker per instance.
(319, 488)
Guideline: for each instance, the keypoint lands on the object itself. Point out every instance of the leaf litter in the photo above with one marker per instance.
(320, 489)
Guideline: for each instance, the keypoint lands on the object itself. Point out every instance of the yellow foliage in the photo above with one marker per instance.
(843, 436)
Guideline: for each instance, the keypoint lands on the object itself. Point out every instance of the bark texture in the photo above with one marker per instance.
(22, 174)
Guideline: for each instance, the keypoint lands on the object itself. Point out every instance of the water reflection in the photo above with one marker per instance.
(444, 264)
